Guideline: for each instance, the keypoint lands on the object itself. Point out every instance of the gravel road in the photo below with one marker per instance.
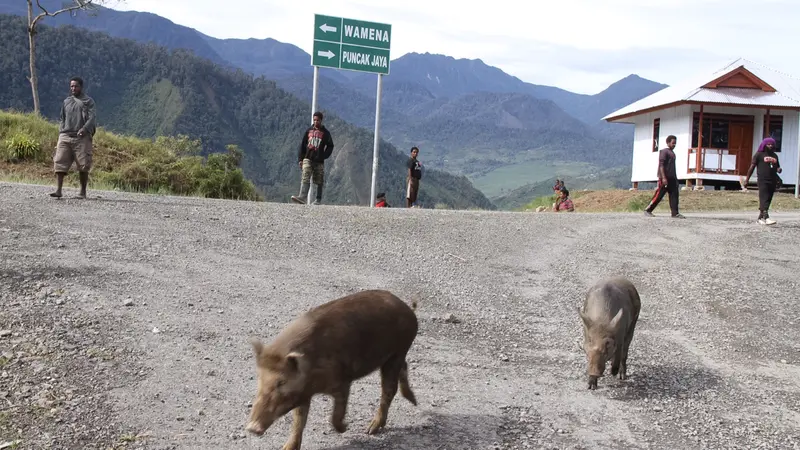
(125, 322)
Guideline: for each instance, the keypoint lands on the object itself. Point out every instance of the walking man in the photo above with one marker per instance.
(413, 177)
(766, 160)
(316, 147)
(667, 180)
(75, 133)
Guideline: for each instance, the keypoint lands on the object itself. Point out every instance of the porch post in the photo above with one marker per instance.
(766, 126)
(699, 148)
(797, 175)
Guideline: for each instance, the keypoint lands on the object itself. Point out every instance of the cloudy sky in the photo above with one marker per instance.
(579, 45)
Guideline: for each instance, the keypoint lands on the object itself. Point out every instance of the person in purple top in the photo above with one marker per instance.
(767, 165)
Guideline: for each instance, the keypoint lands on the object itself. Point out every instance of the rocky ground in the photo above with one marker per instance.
(124, 322)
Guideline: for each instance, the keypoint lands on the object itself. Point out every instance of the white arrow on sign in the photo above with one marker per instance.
(327, 54)
(325, 28)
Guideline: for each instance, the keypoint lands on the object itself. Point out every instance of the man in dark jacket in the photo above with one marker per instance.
(76, 129)
(316, 147)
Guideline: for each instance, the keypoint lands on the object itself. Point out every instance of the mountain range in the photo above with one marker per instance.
(467, 117)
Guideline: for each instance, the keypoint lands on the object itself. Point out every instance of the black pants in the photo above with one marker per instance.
(765, 192)
(672, 189)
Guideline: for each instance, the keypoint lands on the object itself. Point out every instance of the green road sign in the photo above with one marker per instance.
(351, 44)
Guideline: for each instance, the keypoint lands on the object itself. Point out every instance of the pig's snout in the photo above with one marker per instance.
(255, 428)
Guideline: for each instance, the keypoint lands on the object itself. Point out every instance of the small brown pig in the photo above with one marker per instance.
(609, 315)
(327, 348)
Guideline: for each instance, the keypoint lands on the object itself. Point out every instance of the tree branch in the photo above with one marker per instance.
(79, 4)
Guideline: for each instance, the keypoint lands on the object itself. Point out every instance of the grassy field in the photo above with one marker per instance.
(618, 200)
(165, 165)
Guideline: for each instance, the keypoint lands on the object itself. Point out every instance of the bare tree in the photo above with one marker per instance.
(33, 21)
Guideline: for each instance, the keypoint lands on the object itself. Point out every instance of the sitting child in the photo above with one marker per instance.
(563, 203)
(381, 201)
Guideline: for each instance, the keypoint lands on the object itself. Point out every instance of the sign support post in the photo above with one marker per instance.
(356, 45)
(312, 187)
(376, 144)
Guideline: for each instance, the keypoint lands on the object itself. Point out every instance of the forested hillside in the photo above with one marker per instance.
(148, 90)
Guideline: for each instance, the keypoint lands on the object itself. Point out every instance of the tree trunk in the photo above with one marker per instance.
(32, 45)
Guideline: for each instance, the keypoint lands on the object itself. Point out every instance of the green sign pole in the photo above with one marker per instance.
(357, 45)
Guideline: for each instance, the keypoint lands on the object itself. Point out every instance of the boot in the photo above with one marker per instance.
(319, 195)
(303, 194)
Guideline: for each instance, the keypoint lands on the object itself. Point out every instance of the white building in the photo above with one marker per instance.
(735, 107)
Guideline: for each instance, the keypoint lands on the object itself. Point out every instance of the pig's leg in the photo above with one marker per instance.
(390, 374)
(617, 358)
(405, 387)
(623, 370)
(298, 425)
(340, 398)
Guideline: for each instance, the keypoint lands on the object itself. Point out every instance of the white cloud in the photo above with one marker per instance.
(579, 45)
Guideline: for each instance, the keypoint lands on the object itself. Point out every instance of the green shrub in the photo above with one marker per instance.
(21, 146)
(638, 203)
(166, 164)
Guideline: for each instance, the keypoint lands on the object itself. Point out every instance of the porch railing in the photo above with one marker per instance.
(713, 160)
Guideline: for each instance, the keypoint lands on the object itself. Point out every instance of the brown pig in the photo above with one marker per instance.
(327, 348)
(609, 315)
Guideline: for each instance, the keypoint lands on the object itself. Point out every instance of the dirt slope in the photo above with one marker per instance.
(125, 319)
(709, 200)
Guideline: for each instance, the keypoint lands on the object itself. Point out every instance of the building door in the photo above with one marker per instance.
(740, 143)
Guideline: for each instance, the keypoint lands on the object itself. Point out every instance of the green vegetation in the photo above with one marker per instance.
(147, 91)
(169, 165)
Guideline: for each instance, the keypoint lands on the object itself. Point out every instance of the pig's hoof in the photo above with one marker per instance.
(592, 383)
(291, 445)
(614, 370)
(255, 428)
(340, 427)
(375, 426)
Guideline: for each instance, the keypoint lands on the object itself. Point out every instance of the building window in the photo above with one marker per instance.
(775, 130)
(656, 129)
(716, 128)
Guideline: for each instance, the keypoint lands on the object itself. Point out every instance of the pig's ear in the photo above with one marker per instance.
(258, 347)
(584, 318)
(614, 324)
(294, 361)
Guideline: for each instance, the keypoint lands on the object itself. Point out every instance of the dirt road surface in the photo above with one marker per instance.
(125, 322)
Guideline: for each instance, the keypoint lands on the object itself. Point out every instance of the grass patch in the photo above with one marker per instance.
(165, 165)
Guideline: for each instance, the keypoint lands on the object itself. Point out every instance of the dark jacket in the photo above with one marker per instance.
(317, 145)
(78, 113)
